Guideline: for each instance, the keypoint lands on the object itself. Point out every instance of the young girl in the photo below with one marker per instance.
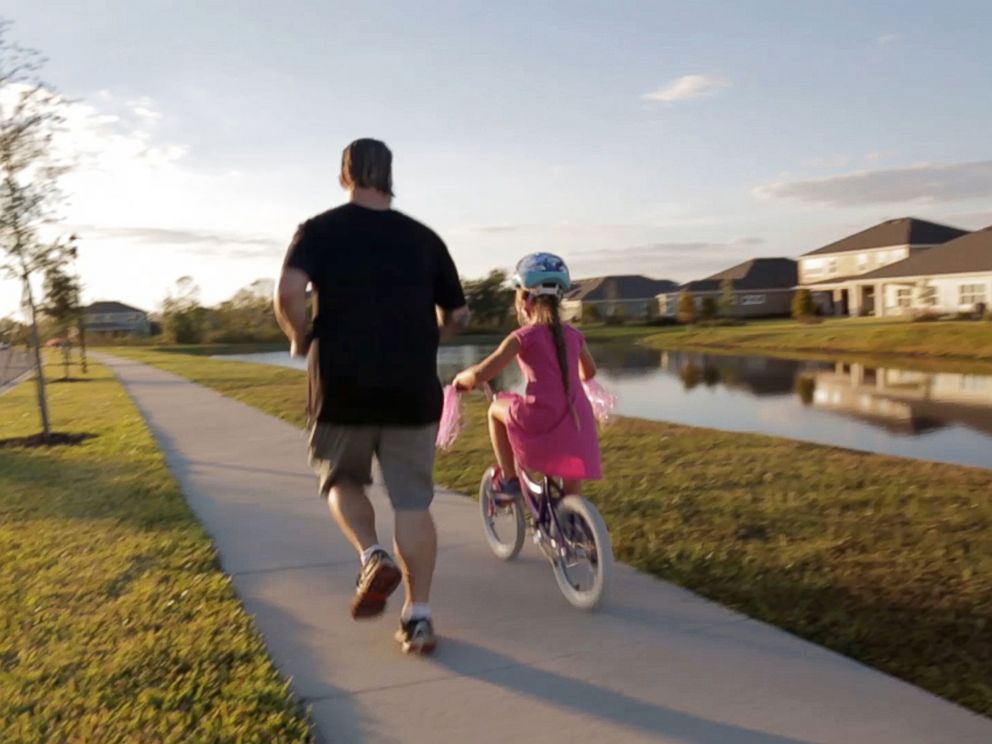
(551, 427)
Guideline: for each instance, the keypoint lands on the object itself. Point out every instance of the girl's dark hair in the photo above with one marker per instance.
(547, 310)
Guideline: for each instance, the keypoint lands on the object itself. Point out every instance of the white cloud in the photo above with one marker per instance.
(829, 161)
(688, 86)
(924, 183)
(677, 260)
(887, 39)
(196, 242)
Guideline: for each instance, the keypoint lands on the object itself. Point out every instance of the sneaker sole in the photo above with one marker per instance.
(373, 601)
(420, 647)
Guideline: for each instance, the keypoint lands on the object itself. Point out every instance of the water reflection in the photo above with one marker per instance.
(942, 416)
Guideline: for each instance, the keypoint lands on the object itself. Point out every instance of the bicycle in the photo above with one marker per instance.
(567, 528)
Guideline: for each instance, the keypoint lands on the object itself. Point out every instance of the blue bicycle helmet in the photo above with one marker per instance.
(542, 273)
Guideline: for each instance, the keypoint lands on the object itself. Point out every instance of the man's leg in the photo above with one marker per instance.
(407, 459)
(416, 547)
(354, 514)
(342, 456)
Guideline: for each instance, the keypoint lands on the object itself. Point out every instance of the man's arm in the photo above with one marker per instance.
(452, 322)
(290, 304)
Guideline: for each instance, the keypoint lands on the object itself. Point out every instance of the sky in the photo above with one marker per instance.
(673, 139)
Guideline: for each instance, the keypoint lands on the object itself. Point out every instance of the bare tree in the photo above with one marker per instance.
(29, 171)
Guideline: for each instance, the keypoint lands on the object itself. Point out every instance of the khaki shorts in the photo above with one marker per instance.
(406, 456)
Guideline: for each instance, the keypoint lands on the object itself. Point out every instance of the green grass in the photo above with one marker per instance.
(883, 559)
(116, 622)
(946, 340)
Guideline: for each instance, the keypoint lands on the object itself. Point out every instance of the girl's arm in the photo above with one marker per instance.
(587, 365)
(489, 367)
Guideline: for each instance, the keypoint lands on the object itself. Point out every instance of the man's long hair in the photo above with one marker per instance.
(367, 163)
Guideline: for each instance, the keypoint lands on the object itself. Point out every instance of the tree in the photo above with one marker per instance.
(709, 308)
(62, 296)
(489, 299)
(30, 118)
(182, 314)
(802, 305)
(247, 316)
(727, 300)
(590, 313)
(686, 309)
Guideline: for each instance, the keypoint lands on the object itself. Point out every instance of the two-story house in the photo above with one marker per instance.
(112, 319)
(830, 272)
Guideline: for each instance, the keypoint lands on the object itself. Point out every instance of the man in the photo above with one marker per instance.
(385, 288)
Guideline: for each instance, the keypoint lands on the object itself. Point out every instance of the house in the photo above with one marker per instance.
(626, 295)
(113, 319)
(950, 278)
(762, 287)
(830, 272)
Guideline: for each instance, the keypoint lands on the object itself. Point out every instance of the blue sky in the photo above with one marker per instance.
(671, 139)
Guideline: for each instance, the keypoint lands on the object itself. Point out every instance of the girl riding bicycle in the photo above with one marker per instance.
(551, 427)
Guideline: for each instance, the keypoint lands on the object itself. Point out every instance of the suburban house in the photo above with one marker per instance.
(627, 296)
(832, 272)
(762, 287)
(951, 278)
(112, 319)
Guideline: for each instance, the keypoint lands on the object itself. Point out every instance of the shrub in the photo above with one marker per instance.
(806, 389)
(686, 312)
(709, 308)
(590, 313)
(926, 316)
(802, 305)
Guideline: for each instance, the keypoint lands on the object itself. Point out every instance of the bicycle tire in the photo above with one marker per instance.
(602, 569)
(505, 548)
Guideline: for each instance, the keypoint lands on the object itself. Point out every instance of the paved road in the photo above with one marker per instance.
(13, 364)
(658, 664)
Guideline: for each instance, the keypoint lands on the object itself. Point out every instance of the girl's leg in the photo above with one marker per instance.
(572, 487)
(499, 411)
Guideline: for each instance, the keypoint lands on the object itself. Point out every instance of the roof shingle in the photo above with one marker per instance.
(969, 253)
(621, 287)
(902, 231)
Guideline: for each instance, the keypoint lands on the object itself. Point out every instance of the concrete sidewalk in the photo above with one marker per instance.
(515, 662)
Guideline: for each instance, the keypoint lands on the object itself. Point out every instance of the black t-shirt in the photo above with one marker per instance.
(377, 276)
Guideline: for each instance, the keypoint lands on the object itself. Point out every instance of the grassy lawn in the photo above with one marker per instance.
(883, 559)
(961, 340)
(116, 622)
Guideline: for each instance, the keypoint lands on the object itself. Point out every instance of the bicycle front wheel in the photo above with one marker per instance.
(502, 520)
(585, 558)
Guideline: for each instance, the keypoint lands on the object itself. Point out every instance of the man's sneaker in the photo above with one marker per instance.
(417, 636)
(378, 579)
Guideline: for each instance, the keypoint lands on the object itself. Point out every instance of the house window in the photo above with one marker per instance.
(862, 262)
(753, 299)
(904, 296)
(971, 294)
(883, 258)
(813, 267)
(832, 266)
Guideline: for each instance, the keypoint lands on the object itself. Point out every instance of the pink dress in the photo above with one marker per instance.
(542, 430)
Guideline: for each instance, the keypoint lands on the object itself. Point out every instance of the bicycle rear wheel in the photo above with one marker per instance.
(585, 560)
(502, 520)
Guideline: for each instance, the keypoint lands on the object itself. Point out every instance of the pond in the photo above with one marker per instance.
(941, 416)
